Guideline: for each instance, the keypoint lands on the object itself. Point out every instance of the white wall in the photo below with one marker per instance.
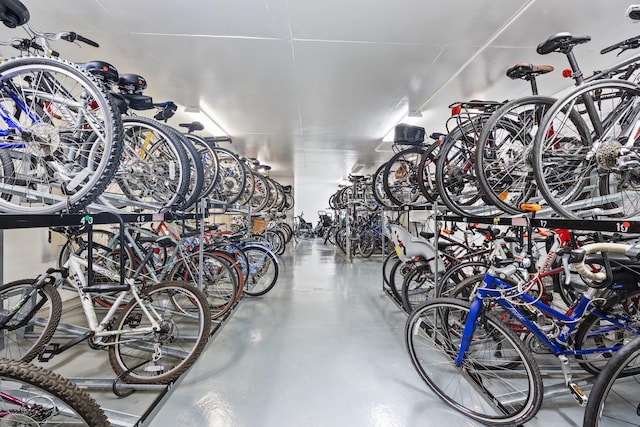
(27, 253)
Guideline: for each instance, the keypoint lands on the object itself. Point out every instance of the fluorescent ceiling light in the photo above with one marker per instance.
(209, 124)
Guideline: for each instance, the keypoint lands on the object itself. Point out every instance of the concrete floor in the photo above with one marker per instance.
(324, 348)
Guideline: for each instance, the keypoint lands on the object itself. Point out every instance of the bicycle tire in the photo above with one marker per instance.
(52, 399)
(388, 262)
(232, 177)
(378, 189)
(503, 153)
(400, 178)
(24, 341)
(575, 170)
(427, 172)
(263, 270)
(209, 161)
(176, 347)
(625, 307)
(249, 187)
(459, 272)
(154, 168)
(260, 198)
(433, 348)
(219, 279)
(58, 131)
(613, 402)
(455, 174)
(417, 287)
(196, 175)
(399, 270)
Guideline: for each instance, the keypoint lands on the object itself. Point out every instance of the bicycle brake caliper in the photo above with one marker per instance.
(576, 391)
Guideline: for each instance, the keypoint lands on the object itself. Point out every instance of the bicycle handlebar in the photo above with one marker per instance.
(71, 37)
(632, 43)
(599, 276)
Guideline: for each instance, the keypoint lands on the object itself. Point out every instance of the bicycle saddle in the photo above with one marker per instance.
(192, 127)
(13, 13)
(131, 83)
(525, 70)
(103, 70)
(561, 42)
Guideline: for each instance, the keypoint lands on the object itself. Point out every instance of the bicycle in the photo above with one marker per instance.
(477, 364)
(153, 334)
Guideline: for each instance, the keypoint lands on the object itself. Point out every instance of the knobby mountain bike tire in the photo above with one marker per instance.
(38, 396)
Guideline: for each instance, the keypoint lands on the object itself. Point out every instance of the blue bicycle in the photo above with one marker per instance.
(469, 354)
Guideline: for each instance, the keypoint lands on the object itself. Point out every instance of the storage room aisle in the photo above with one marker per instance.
(324, 348)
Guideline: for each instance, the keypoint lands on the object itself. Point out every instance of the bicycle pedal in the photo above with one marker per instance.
(48, 352)
(578, 394)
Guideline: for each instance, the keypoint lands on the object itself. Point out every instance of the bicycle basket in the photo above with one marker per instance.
(409, 135)
(258, 225)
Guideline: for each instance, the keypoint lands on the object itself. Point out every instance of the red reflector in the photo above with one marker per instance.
(566, 73)
(455, 110)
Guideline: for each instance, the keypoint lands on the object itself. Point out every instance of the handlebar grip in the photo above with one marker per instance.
(610, 48)
(598, 276)
(87, 41)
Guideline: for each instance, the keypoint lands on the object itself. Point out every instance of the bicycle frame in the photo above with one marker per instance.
(76, 266)
(494, 289)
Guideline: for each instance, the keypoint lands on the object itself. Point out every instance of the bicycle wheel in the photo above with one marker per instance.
(209, 161)
(263, 270)
(614, 401)
(498, 382)
(427, 172)
(34, 322)
(456, 274)
(387, 264)
(455, 174)
(503, 153)
(220, 279)
(578, 160)
(399, 270)
(196, 174)
(596, 332)
(232, 177)
(260, 198)
(249, 187)
(277, 240)
(160, 357)
(56, 115)
(154, 168)
(35, 396)
(378, 189)
(400, 178)
(418, 286)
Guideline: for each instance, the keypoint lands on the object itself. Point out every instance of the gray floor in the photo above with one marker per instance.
(324, 348)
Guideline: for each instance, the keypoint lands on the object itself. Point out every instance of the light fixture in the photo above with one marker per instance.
(209, 124)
